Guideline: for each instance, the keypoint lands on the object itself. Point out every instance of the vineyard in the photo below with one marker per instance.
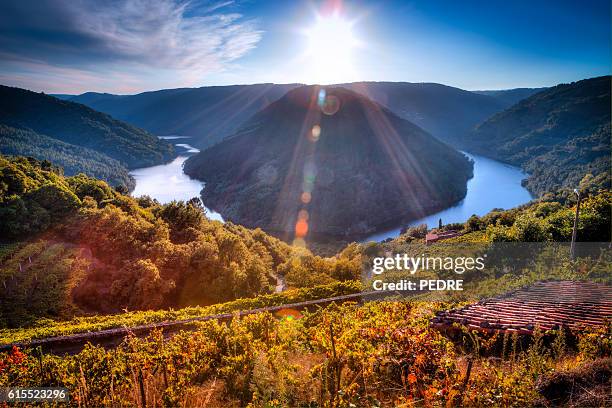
(376, 354)
(53, 328)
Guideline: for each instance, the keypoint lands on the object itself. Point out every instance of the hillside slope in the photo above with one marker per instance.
(444, 111)
(207, 114)
(558, 135)
(75, 137)
(82, 247)
(73, 159)
(350, 164)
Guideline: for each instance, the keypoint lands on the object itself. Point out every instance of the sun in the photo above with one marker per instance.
(330, 46)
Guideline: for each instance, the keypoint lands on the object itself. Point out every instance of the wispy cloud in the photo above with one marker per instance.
(120, 40)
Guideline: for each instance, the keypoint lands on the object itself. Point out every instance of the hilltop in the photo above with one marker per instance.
(351, 164)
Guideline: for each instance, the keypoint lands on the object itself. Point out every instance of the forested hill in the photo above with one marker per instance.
(558, 135)
(81, 247)
(75, 136)
(444, 111)
(207, 114)
(73, 159)
(353, 165)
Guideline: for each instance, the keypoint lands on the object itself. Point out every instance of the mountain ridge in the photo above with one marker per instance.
(445, 111)
(207, 114)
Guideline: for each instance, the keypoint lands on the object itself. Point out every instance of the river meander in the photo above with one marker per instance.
(494, 185)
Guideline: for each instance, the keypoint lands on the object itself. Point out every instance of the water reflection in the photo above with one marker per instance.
(494, 185)
(167, 182)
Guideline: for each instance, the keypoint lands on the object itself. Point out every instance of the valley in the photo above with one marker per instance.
(153, 282)
(347, 164)
(494, 184)
(305, 204)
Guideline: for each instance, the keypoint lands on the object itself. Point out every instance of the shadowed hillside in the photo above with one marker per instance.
(73, 159)
(79, 125)
(350, 164)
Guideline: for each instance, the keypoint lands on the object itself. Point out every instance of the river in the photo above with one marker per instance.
(494, 185)
(167, 182)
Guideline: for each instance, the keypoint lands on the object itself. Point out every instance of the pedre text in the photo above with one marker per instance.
(421, 285)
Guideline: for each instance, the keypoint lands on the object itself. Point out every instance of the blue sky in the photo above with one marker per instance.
(128, 46)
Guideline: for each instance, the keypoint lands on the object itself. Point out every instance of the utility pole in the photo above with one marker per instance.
(575, 231)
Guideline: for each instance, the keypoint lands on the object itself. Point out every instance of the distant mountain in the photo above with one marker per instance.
(76, 136)
(207, 114)
(444, 111)
(352, 165)
(64, 97)
(511, 96)
(558, 135)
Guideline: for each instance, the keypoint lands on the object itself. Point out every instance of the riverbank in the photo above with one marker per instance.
(168, 182)
(494, 185)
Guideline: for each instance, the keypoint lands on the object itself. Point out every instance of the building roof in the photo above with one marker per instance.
(549, 305)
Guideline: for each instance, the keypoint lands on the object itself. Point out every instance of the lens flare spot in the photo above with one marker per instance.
(315, 133)
(301, 228)
(331, 105)
(303, 215)
(321, 97)
(299, 242)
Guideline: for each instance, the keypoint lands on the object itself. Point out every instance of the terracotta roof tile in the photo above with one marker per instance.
(549, 305)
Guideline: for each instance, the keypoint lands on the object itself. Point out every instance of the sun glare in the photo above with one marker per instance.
(330, 46)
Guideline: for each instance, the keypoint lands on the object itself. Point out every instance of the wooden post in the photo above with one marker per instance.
(335, 367)
(143, 395)
(466, 379)
(575, 231)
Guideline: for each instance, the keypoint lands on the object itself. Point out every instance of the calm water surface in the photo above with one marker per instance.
(494, 185)
(167, 182)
